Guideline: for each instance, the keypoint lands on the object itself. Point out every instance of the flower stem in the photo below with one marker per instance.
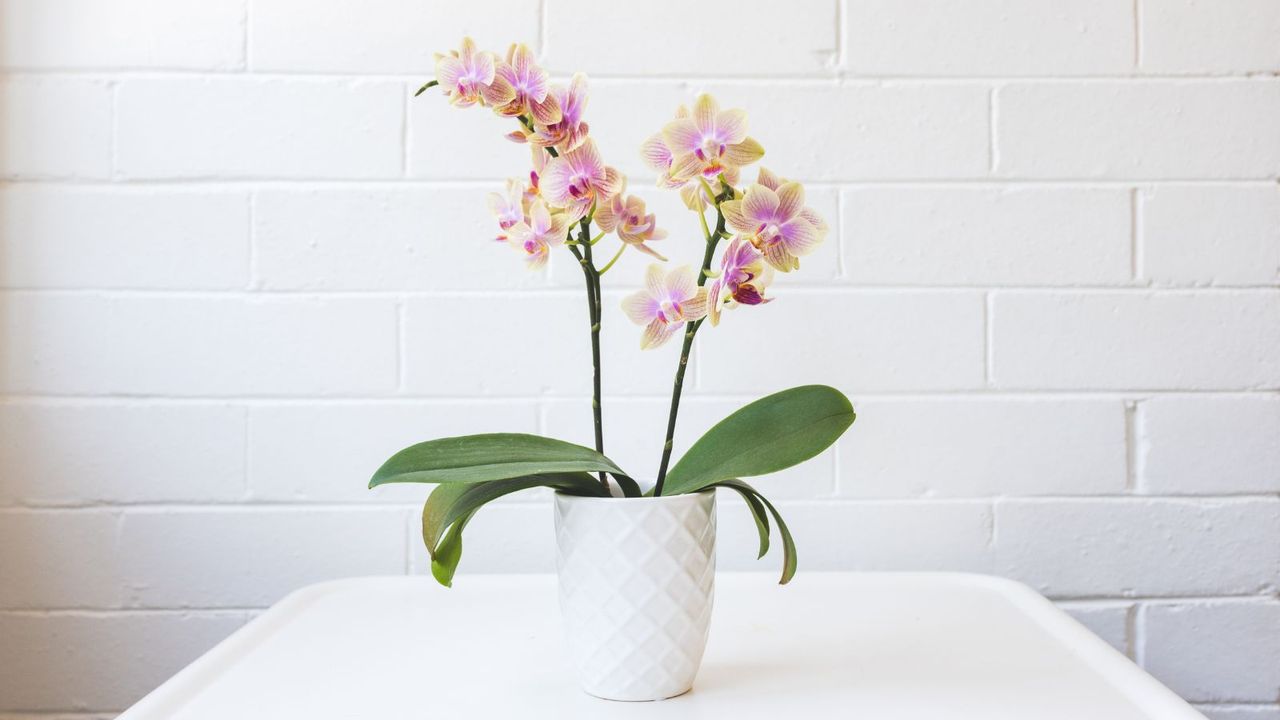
(592, 277)
(690, 330)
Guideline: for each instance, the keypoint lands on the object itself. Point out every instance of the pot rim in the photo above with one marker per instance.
(662, 498)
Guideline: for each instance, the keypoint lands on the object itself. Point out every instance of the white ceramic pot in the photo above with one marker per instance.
(637, 580)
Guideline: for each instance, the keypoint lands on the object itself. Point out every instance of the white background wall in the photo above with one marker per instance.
(239, 266)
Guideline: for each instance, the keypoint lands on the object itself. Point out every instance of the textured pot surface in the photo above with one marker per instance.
(637, 579)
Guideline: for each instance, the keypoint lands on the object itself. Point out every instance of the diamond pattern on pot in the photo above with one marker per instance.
(637, 580)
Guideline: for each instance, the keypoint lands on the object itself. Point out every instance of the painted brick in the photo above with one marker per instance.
(1215, 650)
(1136, 340)
(380, 36)
(448, 143)
(1002, 38)
(980, 236)
(785, 39)
(1228, 36)
(327, 453)
(964, 447)
(78, 661)
(258, 128)
(1139, 547)
(55, 127)
(1143, 130)
(1209, 235)
(125, 34)
(374, 239)
(873, 536)
(123, 453)
(57, 237)
(84, 344)
(1210, 445)
(859, 341)
(58, 560)
(1108, 620)
(516, 358)
(867, 131)
(239, 558)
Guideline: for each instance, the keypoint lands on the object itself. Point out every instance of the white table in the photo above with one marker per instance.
(834, 645)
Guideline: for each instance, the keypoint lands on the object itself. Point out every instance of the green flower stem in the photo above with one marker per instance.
(690, 330)
(592, 277)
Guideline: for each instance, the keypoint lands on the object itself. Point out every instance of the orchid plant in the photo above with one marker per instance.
(701, 153)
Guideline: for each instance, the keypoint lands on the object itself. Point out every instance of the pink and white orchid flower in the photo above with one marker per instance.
(667, 302)
(742, 280)
(468, 77)
(578, 179)
(531, 86)
(569, 131)
(709, 141)
(536, 236)
(509, 207)
(773, 182)
(774, 223)
(625, 214)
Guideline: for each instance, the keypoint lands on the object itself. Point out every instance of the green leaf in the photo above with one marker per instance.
(444, 562)
(789, 559)
(430, 84)
(451, 506)
(630, 488)
(480, 458)
(770, 434)
(758, 514)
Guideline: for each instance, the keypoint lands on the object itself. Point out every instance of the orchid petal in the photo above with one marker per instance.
(790, 200)
(705, 110)
(555, 180)
(679, 283)
(768, 179)
(743, 153)
(682, 136)
(656, 333)
(653, 281)
(732, 125)
(656, 154)
(640, 307)
(695, 308)
(799, 236)
(760, 204)
(735, 217)
(685, 166)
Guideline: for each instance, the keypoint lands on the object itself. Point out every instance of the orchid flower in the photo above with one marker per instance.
(569, 131)
(773, 182)
(578, 179)
(708, 142)
(625, 214)
(532, 89)
(509, 207)
(667, 301)
(469, 77)
(773, 223)
(536, 236)
(742, 280)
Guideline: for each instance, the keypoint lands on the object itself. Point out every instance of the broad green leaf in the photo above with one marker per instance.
(444, 561)
(451, 506)
(630, 488)
(758, 514)
(789, 559)
(480, 458)
(771, 434)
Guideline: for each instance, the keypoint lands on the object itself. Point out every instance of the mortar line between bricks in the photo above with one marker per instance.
(1137, 36)
(266, 505)
(978, 394)
(209, 183)
(993, 147)
(622, 288)
(824, 78)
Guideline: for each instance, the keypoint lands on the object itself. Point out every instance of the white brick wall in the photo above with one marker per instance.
(239, 265)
